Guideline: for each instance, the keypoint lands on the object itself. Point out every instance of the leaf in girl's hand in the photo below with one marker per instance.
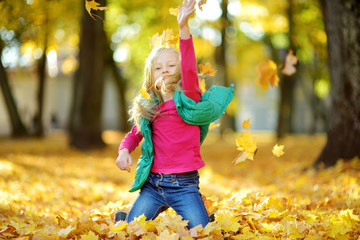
(201, 2)
(289, 66)
(246, 124)
(206, 69)
(91, 4)
(268, 74)
(213, 125)
(145, 94)
(174, 11)
(278, 150)
(202, 85)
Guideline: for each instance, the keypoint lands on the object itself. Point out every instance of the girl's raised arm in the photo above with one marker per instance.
(185, 11)
(189, 77)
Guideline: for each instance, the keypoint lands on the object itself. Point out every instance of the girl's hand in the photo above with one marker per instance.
(124, 160)
(185, 11)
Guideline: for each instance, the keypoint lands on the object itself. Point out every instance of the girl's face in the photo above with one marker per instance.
(165, 64)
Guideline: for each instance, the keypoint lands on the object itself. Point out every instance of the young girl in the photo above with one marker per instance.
(173, 124)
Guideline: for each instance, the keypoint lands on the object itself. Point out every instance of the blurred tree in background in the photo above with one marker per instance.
(343, 30)
(33, 28)
(85, 118)
(233, 35)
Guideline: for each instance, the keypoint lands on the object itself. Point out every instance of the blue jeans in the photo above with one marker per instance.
(178, 191)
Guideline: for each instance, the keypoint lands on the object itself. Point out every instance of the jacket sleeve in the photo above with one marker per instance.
(189, 76)
(131, 140)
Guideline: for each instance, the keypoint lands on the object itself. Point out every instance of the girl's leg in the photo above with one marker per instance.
(149, 202)
(189, 204)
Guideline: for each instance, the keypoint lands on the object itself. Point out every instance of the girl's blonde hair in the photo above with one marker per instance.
(141, 108)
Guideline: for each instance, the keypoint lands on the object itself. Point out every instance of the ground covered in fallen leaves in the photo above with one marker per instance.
(50, 191)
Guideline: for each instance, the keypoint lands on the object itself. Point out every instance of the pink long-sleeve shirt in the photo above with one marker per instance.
(176, 143)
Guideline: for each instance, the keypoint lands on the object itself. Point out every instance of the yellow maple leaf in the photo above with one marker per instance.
(155, 41)
(228, 221)
(174, 11)
(246, 124)
(290, 60)
(201, 2)
(349, 217)
(91, 4)
(119, 226)
(240, 159)
(247, 144)
(206, 69)
(166, 235)
(268, 74)
(212, 227)
(246, 233)
(166, 39)
(170, 39)
(278, 150)
(135, 228)
(145, 94)
(89, 236)
(64, 232)
(267, 227)
(202, 85)
(194, 232)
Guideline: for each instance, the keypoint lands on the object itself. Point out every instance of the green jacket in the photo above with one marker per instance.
(212, 105)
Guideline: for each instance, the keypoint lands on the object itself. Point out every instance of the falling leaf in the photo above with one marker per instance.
(170, 40)
(166, 39)
(91, 4)
(206, 69)
(155, 41)
(213, 125)
(268, 74)
(201, 2)
(278, 150)
(202, 85)
(145, 94)
(246, 124)
(247, 144)
(240, 159)
(174, 11)
(289, 66)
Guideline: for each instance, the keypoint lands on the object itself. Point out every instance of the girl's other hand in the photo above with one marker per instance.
(185, 11)
(124, 160)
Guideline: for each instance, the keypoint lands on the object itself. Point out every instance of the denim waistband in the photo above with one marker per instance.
(176, 175)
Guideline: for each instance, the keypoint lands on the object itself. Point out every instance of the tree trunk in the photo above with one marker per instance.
(39, 126)
(17, 126)
(227, 121)
(85, 123)
(287, 84)
(121, 86)
(343, 33)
